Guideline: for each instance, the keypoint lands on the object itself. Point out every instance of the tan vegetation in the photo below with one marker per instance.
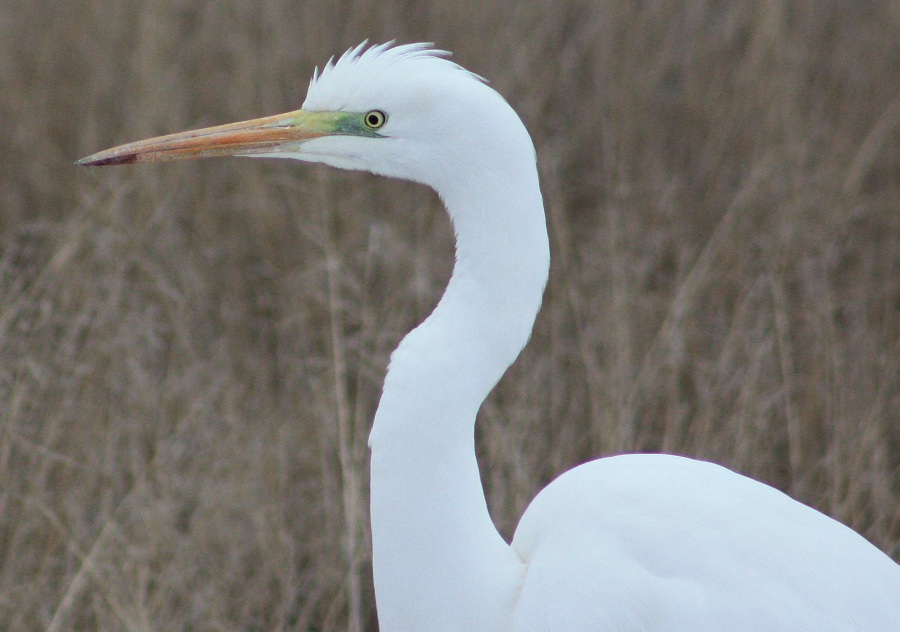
(190, 354)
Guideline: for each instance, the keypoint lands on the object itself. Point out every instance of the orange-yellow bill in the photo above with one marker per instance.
(268, 135)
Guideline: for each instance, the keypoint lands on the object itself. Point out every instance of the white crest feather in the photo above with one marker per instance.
(340, 81)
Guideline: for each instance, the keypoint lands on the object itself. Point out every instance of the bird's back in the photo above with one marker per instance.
(656, 542)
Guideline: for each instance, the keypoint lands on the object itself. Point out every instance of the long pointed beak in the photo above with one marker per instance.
(268, 135)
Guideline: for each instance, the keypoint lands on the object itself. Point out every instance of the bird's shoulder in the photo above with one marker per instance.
(658, 542)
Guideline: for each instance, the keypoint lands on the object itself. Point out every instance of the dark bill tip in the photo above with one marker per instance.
(94, 161)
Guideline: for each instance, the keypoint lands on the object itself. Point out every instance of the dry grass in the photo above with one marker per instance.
(190, 354)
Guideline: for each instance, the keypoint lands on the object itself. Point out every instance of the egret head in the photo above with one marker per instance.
(401, 111)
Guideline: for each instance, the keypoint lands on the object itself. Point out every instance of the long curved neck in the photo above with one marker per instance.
(435, 547)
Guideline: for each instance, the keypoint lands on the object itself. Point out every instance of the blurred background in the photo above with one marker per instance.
(191, 353)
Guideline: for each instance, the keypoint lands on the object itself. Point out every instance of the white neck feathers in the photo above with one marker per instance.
(435, 546)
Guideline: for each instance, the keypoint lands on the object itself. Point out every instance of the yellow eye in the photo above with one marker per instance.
(375, 119)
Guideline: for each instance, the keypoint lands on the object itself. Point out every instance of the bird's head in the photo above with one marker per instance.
(401, 111)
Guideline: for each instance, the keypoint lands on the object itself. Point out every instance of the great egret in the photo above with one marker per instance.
(628, 543)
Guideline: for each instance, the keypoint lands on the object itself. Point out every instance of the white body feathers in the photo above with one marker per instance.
(630, 543)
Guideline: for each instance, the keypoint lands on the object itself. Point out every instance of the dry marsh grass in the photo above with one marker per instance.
(190, 354)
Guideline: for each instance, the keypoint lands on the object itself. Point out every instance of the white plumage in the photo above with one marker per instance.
(629, 543)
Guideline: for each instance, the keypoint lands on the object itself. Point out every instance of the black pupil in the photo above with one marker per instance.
(374, 119)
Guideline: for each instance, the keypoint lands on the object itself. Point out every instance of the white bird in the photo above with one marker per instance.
(629, 543)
